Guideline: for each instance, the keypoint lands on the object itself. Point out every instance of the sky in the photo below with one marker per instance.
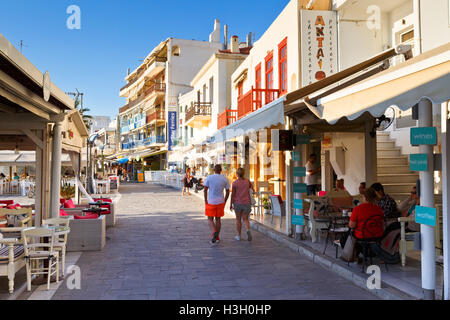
(116, 34)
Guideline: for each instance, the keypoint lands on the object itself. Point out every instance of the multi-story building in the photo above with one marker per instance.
(98, 122)
(203, 110)
(152, 91)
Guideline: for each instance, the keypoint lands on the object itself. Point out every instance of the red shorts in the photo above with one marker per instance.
(215, 210)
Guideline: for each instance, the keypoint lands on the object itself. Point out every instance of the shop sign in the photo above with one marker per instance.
(302, 139)
(299, 172)
(172, 128)
(425, 215)
(298, 204)
(300, 187)
(318, 45)
(423, 136)
(295, 156)
(298, 220)
(418, 162)
(326, 143)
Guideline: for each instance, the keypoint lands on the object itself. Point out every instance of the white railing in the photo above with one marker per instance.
(16, 187)
(166, 178)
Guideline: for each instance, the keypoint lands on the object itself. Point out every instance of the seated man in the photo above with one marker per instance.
(386, 203)
(407, 208)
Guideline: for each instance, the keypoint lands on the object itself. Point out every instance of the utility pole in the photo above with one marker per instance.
(21, 45)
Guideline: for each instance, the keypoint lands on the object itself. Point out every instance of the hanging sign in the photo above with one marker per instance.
(299, 172)
(296, 156)
(425, 215)
(318, 45)
(424, 136)
(302, 139)
(298, 220)
(418, 162)
(298, 204)
(172, 125)
(300, 187)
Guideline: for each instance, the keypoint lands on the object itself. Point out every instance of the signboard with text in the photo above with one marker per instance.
(318, 45)
(418, 162)
(299, 172)
(298, 204)
(172, 126)
(298, 220)
(300, 187)
(424, 136)
(425, 215)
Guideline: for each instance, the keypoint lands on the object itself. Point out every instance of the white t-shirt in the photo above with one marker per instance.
(311, 178)
(216, 184)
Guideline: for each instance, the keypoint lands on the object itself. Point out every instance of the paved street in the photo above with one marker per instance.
(159, 250)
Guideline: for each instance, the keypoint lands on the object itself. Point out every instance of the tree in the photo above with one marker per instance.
(86, 118)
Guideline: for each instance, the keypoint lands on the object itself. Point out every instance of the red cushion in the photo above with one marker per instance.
(86, 217)
(103, 200)
(13, 206)
(61, 201)
(62, 213)
(322, 193)
(8, 202)
(69, 204)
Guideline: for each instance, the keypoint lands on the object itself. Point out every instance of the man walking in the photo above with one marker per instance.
(215, 200)
(312, 175)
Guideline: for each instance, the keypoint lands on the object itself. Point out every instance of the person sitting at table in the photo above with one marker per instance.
(407, 208)
(2, 176)
(340, 186)
(387, 204)
(362, 188)
(16, 176)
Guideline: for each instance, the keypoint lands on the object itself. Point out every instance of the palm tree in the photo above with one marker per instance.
(86, 118)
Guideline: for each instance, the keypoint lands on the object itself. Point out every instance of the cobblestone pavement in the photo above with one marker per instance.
(159, 250)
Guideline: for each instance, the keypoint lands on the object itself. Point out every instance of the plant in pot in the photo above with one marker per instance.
(266, 205)
(67, 191)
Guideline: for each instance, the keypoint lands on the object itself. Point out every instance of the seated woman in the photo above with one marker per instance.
(367, 219)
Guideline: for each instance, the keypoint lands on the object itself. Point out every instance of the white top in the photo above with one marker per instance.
(311, 178)
(216, 184)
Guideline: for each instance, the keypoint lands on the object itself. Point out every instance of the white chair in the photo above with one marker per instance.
(262, 194)
(11, 259)
(60, 244)
(38, 251)
(278, 209)
(315, 224)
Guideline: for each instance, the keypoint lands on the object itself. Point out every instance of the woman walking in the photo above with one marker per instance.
(241, 203)
(187, 181)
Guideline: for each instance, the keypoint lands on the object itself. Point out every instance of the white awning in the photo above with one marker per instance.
(403, 86)
(268, 116)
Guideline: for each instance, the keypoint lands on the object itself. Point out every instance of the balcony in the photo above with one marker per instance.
(255, 99)
(132, 104)
(156, 115)
(226, 118)
(199, 115)
(154, 140)
(156, 88)
(157, 65)
(144, 142)
(124, 130)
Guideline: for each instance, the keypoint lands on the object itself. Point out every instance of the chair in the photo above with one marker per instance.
(16, 220)
(369, 237)
(278, 209)
(38, 251)
(316, 224)
(11, 259)
(60, 244)
(261, 194)
(336, 226)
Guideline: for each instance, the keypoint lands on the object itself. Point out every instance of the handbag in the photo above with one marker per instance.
(348, 252)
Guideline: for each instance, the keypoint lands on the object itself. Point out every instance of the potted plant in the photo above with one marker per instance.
(67, 191)
(266, 205)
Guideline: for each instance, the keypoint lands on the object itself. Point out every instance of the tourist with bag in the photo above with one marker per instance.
(241, 202)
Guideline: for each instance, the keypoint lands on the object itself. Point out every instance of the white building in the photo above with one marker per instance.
(98, 123)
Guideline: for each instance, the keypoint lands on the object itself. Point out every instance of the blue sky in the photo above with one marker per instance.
(115, 34)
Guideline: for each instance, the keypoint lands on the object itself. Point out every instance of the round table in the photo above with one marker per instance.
(95, 210)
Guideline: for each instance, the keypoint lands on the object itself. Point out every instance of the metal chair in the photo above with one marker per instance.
(370, 237)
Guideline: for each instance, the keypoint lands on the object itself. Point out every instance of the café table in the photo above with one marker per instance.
(96, 210)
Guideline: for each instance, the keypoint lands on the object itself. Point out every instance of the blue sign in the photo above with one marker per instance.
(298, 204)
(298, 220)
(299, 172)
(302, 139)
(418, 162)
(423, 136)
(296, 156)
(172, 125)
(425, 215)
(300, 187)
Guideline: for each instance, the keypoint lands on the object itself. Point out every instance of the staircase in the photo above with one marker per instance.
(393, 168)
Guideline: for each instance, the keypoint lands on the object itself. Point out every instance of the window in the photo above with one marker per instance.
(258, 84)
(282, 66)
(240, 88)
(269, 71)
(176, 51)
(211, 90)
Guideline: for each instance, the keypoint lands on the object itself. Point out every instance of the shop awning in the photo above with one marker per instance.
(270, 115)
(403, 86)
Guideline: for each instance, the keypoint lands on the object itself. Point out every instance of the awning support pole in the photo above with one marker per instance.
(427, 200)
(445, 196)
(56, 170)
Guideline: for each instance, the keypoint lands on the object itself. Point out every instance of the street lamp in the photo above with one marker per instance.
(89, 171)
